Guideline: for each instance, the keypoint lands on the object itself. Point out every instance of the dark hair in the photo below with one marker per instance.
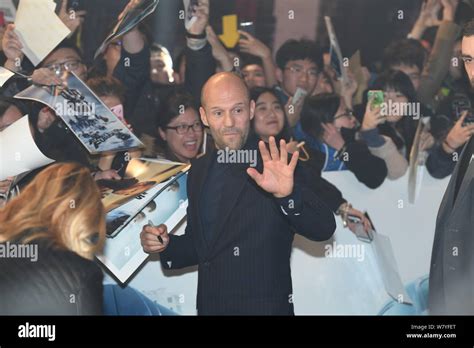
(408, 52)
(107, 87)
(406, 127)
(468, 29)
(67, 43)
(248, 59)
(173, 106)
(317, 110)
(398, 81)
(299, 49)
(255, 93)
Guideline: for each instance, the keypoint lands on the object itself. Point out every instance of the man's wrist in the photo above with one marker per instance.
(280, 196)
(448, 15)
(417, 32)
(12, 65)
(196, 36)
(196, 44)
(447, 147)
(290, 204)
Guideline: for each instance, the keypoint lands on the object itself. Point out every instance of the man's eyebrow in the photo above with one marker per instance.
(466, 56)
(233, 106)
(259, 103)
(238, 104)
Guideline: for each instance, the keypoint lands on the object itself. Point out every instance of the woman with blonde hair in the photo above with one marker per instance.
(49, 235)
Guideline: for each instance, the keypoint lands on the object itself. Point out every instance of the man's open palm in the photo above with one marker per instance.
(278, 175)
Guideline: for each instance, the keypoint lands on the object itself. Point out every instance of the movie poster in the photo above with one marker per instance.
(141, 175)
(96, 127)
(123, 254)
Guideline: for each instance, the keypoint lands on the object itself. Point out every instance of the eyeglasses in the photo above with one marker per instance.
(349, 114)
(70, 65)
(298, 70)
(184, 128)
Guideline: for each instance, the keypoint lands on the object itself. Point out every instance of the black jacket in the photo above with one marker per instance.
(441, 164)
(326, 191)
(258, 280)
(452, 260)
(59, 282)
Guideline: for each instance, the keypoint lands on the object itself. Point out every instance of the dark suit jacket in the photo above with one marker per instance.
(452, 259)
(245, 270)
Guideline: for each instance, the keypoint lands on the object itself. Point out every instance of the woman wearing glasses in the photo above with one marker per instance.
(180, 130)
(328, 127)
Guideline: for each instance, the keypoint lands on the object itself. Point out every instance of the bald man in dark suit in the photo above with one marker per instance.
(241, 219)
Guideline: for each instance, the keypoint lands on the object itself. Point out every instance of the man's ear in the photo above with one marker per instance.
(162, 134)
(203, 114)
(252, 109)
(279, 75)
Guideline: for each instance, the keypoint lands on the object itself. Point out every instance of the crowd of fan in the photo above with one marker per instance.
(158, 98)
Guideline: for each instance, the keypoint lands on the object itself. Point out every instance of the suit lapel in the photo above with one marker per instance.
(227, 206)
(465, 183)
(202, 171)
(233, 191)
(447, 203)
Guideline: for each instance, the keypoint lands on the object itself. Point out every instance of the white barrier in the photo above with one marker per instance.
(334, 285)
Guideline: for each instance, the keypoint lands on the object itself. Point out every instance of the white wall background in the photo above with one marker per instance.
(334, 285)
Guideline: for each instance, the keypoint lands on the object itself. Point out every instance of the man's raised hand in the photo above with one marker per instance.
(278, 175)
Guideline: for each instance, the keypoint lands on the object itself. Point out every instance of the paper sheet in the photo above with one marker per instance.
(335, 51)
(5, 75)
(123, 254)
(389, 269)
(88, 118)
(39, 28)
(131, 18)
(18, 151)
(189, 19)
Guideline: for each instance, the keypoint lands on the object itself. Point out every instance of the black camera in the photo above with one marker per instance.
(461, 104)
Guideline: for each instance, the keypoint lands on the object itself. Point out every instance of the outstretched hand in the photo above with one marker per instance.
(278, 175)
